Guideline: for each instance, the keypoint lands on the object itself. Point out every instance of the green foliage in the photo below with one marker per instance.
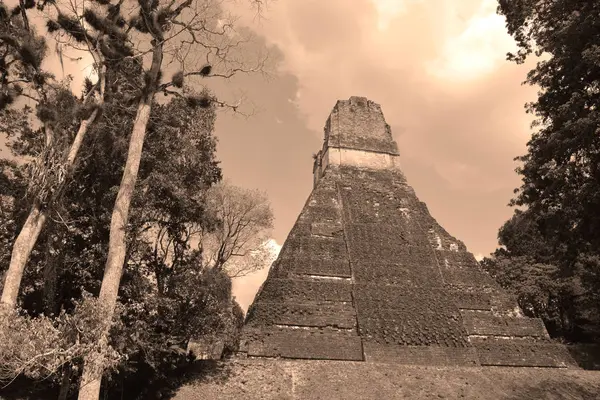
(521, 237)
(178, 79)
(52, 26)
(39, 347)
(169, 294)
(536, 286)
(104, 29)
(72, 26)
(196, 304)
(22, 54)
(238, 244)
(551, 250)
(560, 171)
(199, 101)
(168, 297)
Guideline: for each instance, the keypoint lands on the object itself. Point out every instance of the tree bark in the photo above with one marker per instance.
(83, 129)
(120, 215)
(65, 383)
(91, 378)
(92, 373)
(50, 280)
(20, 254)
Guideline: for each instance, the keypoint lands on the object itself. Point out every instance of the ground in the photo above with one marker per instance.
(296, 379)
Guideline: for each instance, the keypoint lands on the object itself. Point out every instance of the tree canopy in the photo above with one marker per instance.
(73, 153)
(550, 246)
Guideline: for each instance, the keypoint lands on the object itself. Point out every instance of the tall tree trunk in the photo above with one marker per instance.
(20, 254)
(117, 248)
(50, 279)
(92, 372)
(34, 223)
(65, 382)
(91, 378)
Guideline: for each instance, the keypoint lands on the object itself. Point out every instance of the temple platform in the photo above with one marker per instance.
(314, 379)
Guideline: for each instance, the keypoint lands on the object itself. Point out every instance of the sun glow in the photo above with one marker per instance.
(387, 10)
(477, 50)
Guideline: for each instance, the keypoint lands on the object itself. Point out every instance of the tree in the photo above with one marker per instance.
(539, 291)
(40, 347)
(24, 52)
(561, 174)
(172, 31)
(185, 24)
(560, 170)
(195, 303)
(170, 198)
(57, 356)
(238, 244)
(9, 192)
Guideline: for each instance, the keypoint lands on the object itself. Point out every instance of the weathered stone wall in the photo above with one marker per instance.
(367, 274)
(359, 124)
(358, 158)
(356, 135)
(305, 308)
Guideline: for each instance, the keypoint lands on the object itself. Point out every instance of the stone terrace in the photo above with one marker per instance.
(308, 379)
(366, 273)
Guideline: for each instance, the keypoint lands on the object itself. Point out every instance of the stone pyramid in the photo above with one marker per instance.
(366, 273)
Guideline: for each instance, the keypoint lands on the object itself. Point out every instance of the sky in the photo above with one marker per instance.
(438, 69)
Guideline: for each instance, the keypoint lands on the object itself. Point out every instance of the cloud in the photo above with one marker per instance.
(477, 50)
(387, 10)
(438, 69)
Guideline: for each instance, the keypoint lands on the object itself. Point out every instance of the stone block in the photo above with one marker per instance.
(288, 268)
(388, 243)
(374, 206)
(390, 315)
(305, 344)
(335, 315)
(471, 300)
(320, 213)
(330, 229)
(421, 355)
(365, 177)
(324, 196)
(412, 327)
(487, 324)
(467, 277)
(396, 274)
(515, 354)
(300, 230)
(350, 119)
(299, 290)
(456, 259)
(323, 248)
(401, 297)
(439, 238)
(504, 303)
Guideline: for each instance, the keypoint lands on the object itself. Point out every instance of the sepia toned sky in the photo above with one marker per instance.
(438, 70)
(437, 67)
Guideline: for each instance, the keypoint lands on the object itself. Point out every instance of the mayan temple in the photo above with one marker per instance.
(366, 274)
(370, 291)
